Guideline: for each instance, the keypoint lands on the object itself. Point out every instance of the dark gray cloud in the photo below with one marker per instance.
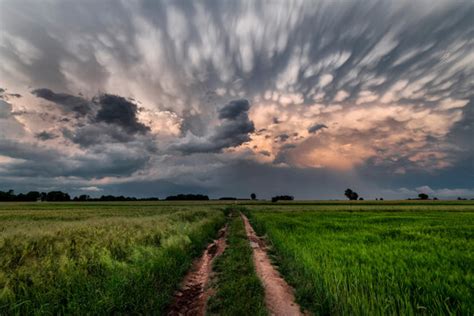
(288, 146)
(103, 119)
(44, 136)
(234, 130)
(234, 109)
(96, 134)
(316, 127)
(34, 161)
(69, 103)
(194, 123)
(5, 110)
(283, 137)
(9, 124)
(117, 110)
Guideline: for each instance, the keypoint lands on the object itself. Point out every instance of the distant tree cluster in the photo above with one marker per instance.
(59, 196)
(227, 198)
(33, 196)
(351, 195)
(10, 196)
(282, 198)
(112, 198)
(423, 196)
(187, 197)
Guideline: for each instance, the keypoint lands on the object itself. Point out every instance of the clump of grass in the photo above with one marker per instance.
(103, 263)
(238, 289)
(373, 263)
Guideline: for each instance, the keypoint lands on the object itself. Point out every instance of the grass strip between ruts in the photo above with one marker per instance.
(238, 289)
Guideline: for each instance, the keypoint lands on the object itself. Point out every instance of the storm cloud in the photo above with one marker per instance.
(234, 129)
(44, 135)
(69, 103)
(117, 110)
(378, 94)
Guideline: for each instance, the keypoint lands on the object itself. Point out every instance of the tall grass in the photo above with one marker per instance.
(375, 262)
(97, 261)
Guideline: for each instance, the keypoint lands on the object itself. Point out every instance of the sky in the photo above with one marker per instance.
(226, 98)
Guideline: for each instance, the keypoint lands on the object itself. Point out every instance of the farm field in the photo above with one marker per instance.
(98, 258)
(357, 259)
(362, 257)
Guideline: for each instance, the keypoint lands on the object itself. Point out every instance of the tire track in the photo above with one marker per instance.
(193, 294)
(279, 297)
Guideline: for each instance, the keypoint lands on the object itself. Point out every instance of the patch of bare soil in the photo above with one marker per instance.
(193, 294)
(279, 297)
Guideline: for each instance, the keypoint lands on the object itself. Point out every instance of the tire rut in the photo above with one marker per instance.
(279, 297)
(191, 298)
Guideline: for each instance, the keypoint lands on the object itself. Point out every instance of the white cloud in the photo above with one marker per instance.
(325, 79)
(91, 189)
(341, 96)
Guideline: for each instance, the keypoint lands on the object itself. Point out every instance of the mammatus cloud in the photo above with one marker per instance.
(161, 91)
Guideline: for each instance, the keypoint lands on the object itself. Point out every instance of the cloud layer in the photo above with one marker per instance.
(105, 94)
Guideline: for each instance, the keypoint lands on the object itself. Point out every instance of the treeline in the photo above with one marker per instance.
(111, 198)
(187, 197)
(59, 196)
(10, 196)
(282, 198)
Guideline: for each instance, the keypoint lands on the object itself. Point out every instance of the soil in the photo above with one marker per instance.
(279, 297)
(193, 294)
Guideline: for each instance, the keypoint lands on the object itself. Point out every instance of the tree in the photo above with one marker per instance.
(423, 196)
(43, 196)
(351, 195)
(83, 197)
(228, 198)
(282, 198)
(57, 196)
(187, 197)
(253, 196)
(33, 196)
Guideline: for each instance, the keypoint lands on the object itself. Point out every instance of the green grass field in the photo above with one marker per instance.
(97, 258)
(416, 261)
(363, 257)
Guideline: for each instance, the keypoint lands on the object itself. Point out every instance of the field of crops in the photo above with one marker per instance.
(357, 259)
(97, 258)
(363, 257)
